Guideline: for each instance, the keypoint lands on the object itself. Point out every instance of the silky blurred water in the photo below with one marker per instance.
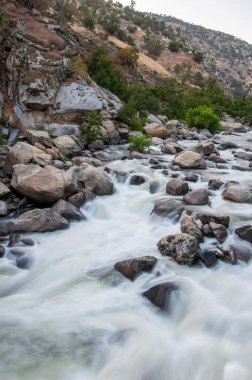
(71, 317)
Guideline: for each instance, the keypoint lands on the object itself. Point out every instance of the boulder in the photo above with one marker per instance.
(4, 190)
(177, 187)
(42, 185)
(68, 210)
(206, 217)
(86, 160)
(214, 184)
(67, 146)
(189, 160)
(219, 231)
(2, 251)
(183, 248)
(112, 135)
(153, 119)
(191, 177)
(188, 226)
(137, 180)
(39, 137)
(172, 124)
(77, 199)
(168, 208)
(4, 210)
(171, 147)
(197, 197)
(238, 193)
(243, 156)
(205, 149)
(208, 257)
(134, 267)
(245, 233)
(156, 130)
(22, 153)
(217, 159)
(161, 295)
(38, 220)
(95, 180)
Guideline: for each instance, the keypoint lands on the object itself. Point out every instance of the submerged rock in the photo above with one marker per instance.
(197, 197)
(137, 180)
(245, 233)
(161, 295)
(219, 231)
(168, 208)
(68, 210)
(182, 247)
(134, 267)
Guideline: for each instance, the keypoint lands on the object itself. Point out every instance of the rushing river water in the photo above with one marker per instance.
(71, 317)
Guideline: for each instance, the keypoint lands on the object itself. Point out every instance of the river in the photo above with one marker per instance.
(72, 317)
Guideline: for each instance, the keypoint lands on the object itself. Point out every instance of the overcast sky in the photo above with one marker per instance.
(229, 16)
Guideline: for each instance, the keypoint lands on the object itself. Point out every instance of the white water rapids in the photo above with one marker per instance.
(71, 317)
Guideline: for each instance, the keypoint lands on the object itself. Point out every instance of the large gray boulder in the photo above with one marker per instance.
(177, 187)
(22, 153)
(182, 247)
(37, 220)
(43, 185)
(197, 197)
(238, 193)
(39, 137)
(77, 97)
(161, 295)
(168, 208)
(189, 160)
(67, 146)
(93, 179)
(156, 130)
(68, 210)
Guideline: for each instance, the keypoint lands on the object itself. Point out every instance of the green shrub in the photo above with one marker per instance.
(203, 117)
(198, 57)
(91, 129)
(128, 55)
(139, 143)
(128, 111)
(88, 21)
(174, 46)
(2, 19)
(132, 28)
(137, 124)
(154, 46)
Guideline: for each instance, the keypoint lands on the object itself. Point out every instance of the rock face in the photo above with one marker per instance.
(67, 146)
(156, 130)
(177, 187)
(68, 210)
(42, 185)
(134, 267)
(245, 233)
(168, 208)
(189, 160)
(197, 197)
(181, 247)
(239, 194)
(94, 180)
(161, 295)
(37, 220)
(23, 153)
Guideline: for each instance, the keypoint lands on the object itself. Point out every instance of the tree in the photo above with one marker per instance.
(132, 4)
(202, 117)
(174, 46)
(154, 46)
(128, 55)
(198, 57)
(184, 72)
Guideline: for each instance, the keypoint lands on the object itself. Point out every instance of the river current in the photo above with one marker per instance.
(72, 317)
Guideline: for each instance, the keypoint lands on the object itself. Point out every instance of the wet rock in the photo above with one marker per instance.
(219, 231)
(67, 146)
(103, 156)
(197, 197)
(189, 160)
(28, 242)
(4, 190)
(138, 156)
(38, 220)
(238, 193)
(188, 226)
(134, 267)
(96, 145)
(137, 180)
(39, 137)
(153, 161)
(217, 159)
(191, 177)
(77, 199)
(214, 184)
(2, 251)
(226, 255)
(68, 210)
(161, 295)
(94, 180)
(241, 252)
(208, 257)
(183, 248)
(156, 130)
(206, 148)
(177, 187)
(242, 168)
(24, 262)
(171, 147)
(243, 156)
(4, 210)
(168, 208)
(207, 231)
(245, 233)
(229, 145)
(43, 185)
(222, 166)
(206, 217)
(78, 161)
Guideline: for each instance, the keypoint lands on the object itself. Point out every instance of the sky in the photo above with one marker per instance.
(229, 16)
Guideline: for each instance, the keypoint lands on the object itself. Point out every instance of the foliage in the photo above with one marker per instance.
(88, 21)
(139, 143)
(174, 46)
(154, 46)
(92, 128)
(184, 72)
(198, 56)
(137, 124)
(76, 66)
(2, 138)
(128, 55)
(66, 9)
(3, 120)
(202, 117)
(132, 28)
(2, 19)
(241, 106)
(128, 111)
